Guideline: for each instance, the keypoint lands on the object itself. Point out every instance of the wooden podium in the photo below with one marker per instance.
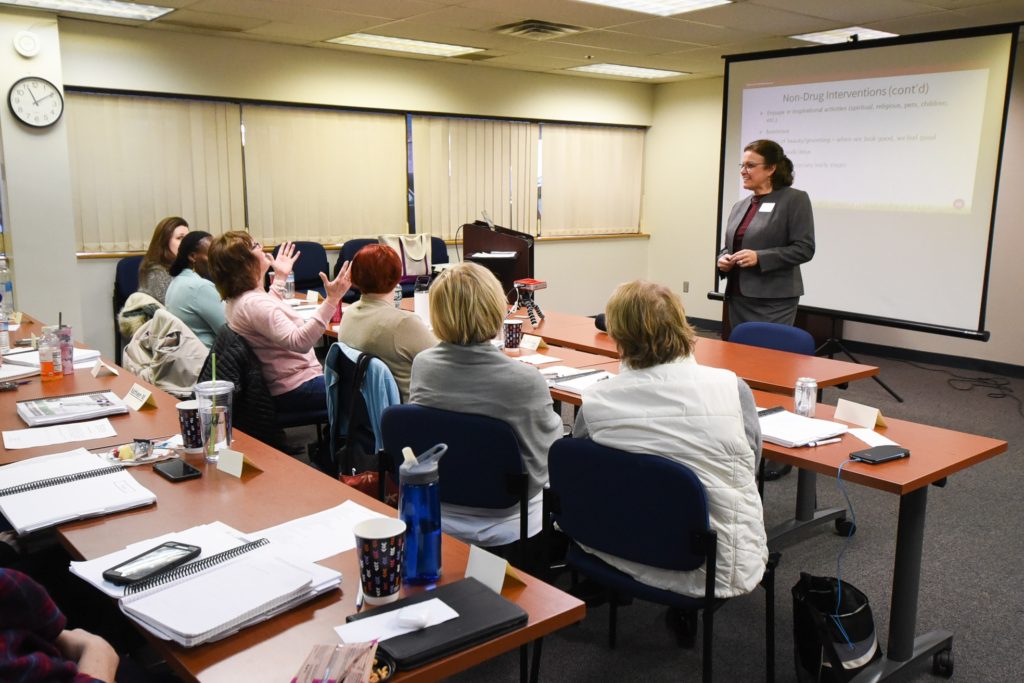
(480, 238)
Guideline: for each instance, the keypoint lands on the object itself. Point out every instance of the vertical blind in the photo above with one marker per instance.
(328, 175)
(324, 175)
(465, 167)
(136, 160)
(592, 179)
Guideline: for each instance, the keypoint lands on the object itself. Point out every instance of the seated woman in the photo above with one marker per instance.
(280, 337)
(154, 275)
(192, 297)
(465, 373)
(664, 404)
(373, 324)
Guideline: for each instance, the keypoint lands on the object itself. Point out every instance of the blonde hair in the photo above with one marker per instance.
(466, 305)
(648, 323)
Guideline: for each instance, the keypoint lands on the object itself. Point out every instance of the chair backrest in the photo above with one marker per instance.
(126, 283)
(638, 507)
(311, 263)
(774, 336)
(252, 407)
(438, 250)
(482, 467)
(351, 428)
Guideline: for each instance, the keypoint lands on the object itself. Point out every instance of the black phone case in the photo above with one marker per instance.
(173, 476)
(880, 454)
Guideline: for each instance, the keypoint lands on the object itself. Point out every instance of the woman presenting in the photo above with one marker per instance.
(768, 235)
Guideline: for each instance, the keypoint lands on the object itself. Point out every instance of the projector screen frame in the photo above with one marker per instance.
(1013, 30)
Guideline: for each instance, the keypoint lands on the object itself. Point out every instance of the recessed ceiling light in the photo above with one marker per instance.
(105, 8)
(663, 8)
(843, 35)
(627, 71)
(420, 47)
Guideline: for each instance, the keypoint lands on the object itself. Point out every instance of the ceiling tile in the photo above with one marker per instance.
(185, 18)
(614, 40)
(318, 32)
(751, 16)
(563, 11)
(687, 31)
(851, 13)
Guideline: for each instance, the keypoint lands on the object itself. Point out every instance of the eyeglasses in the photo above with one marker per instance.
(257, 246)
(748, 166)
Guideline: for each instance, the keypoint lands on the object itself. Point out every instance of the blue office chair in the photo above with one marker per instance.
(126, 283)
(774, 336)
(482, 468)
(311, 263)
(781, 338)
(646, 509)
(347, 253)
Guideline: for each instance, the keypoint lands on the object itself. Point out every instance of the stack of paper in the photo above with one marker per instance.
(234, 583)
(74, 408)
(577, 383)
(791, 430)
(83, 358)
(9, 373)
(47, 490)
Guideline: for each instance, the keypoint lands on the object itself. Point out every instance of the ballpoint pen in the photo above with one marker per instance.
(359, 597)
(824, 442)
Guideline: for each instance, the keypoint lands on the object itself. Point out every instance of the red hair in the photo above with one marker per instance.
(376, 269)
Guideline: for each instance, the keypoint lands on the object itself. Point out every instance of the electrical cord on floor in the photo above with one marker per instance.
(997, 387)
(837, 615)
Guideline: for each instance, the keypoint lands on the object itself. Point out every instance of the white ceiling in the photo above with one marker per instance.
(692, 42)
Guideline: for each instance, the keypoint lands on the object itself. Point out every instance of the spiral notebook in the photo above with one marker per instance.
(222, 592)
(50, 489)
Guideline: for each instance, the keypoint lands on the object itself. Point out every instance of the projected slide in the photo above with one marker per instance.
(897, 143)
(924, 128)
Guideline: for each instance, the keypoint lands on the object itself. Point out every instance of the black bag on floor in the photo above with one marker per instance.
(832, 644)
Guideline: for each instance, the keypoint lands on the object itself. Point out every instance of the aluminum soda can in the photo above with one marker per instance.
(805, 396)
(398, 295)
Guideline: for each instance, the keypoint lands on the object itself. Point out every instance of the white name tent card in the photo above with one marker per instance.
(531, 342)
(102, 369)
(233, 462)
(859, 414)
(139, 396)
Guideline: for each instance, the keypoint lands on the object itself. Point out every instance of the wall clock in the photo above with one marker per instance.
(36, 102)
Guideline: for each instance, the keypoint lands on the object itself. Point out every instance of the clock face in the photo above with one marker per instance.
(36, 102)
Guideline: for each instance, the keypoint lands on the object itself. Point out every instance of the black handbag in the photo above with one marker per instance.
(833, 630)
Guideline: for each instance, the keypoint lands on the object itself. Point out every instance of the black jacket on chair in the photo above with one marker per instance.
(253, 408)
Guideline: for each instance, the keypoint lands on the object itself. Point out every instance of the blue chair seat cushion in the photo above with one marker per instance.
(603, 573)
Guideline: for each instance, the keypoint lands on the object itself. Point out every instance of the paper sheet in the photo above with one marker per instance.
(871, 438)
(386, 626)
(48, 436)
(320, 535)
(537, 359)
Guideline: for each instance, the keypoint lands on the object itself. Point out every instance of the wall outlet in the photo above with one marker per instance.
(686, 286)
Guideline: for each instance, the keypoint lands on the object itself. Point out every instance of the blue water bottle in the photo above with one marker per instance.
(419, 506)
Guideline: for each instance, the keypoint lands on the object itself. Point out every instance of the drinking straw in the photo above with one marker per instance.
(211, 446)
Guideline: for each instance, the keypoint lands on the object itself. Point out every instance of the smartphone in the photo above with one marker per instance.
(880, 454)
(164, 556)
(176, 470)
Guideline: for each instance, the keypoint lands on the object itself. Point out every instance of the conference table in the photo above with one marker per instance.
(936, 454)
(761, 368)
(280, 490)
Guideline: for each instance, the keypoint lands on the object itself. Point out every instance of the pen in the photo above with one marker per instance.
(825, 442)
(359, 597)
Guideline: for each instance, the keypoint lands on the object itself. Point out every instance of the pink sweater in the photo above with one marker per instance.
(281, 339)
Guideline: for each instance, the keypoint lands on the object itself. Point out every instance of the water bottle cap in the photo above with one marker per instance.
(424, 469)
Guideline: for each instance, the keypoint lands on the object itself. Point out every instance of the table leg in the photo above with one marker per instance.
(807, 516)
(904, 648)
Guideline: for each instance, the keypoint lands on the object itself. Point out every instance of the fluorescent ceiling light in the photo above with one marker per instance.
(420, 47)
(626, 71)
(843, 35)
(105, 8)
(663, 8)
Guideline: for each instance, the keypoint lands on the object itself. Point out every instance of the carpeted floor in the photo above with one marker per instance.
(971, 567)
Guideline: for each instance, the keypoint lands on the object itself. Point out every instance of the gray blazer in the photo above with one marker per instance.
(782, 238)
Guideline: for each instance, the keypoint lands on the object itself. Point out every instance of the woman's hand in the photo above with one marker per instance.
(285, 260)
(94, 656)
(745, 258)
(725, 263)
(337, 287)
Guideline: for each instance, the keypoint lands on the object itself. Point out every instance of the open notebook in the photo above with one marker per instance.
(49, 489)
(791, 430)
(233, 584)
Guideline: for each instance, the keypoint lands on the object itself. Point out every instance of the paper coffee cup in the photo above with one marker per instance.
(380, 547)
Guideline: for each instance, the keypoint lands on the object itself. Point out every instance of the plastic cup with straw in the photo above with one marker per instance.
(211, 444)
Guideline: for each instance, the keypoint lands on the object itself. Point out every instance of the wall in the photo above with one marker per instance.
(681, 173)
(113, 57)
(37, 209)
